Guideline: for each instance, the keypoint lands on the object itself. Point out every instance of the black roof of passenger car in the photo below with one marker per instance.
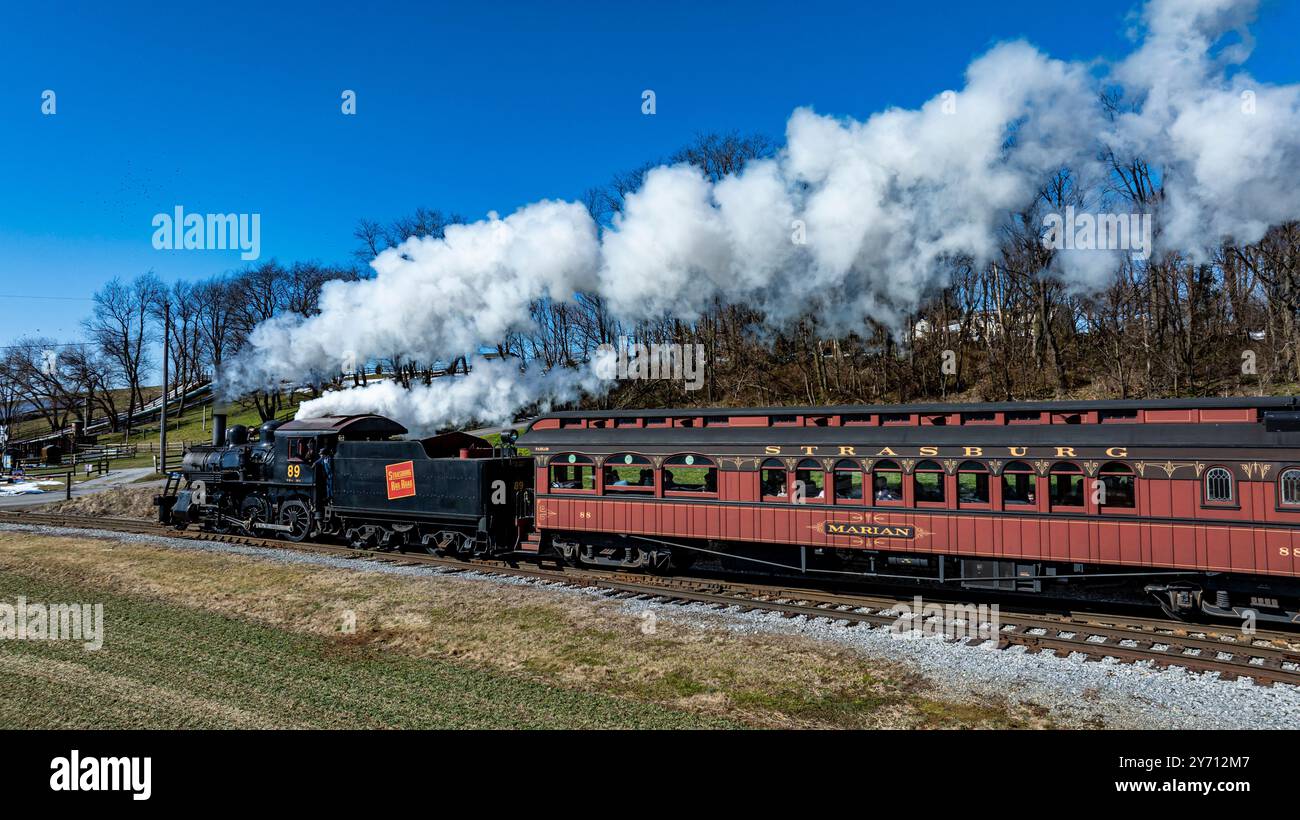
(1084, 435)
(1272, 402)
(1203, 434)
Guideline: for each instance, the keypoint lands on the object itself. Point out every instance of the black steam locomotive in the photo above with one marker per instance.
(348, 477)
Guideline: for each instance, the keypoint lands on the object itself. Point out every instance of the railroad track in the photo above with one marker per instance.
(1266, 657)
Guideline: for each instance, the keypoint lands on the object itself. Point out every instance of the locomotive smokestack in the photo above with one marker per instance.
(218, 429)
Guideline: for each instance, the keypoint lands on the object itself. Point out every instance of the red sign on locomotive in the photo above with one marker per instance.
(401, 480)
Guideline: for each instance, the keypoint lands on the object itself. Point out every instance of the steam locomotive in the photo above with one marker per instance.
(349, 478)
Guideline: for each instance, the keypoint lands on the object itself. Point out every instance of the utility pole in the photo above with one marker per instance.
(162, 415)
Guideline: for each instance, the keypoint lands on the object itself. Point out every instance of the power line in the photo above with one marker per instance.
(58, 298)
(45, 347)
(51, 298)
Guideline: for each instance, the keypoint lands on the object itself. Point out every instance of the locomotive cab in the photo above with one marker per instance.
(296, 457)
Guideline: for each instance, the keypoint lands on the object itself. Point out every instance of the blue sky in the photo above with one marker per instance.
(235, 108)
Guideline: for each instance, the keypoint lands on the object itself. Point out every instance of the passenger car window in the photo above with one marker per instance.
(1218, 485)
(848, 481)
(1065, 486)
(972, 483)
(1019, 485)
(771, 479)
(570, 471)
(887, 483)
(927, 481)
(629, 473)
(690, 474)
(1119, 486)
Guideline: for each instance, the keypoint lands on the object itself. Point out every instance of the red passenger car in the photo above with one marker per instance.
(1196, 500)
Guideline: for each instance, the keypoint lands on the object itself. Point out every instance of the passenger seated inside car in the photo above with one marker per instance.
(884, 492)
(845, 487)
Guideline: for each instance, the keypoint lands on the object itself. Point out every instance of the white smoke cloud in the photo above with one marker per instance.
(431, 298)
(1228, 146)
(492, 392)
(885, 204)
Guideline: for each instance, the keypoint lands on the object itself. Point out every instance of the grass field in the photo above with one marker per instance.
(169, 666)
(208, 639)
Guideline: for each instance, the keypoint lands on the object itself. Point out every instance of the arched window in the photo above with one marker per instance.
(887, 483)
(1288, 488)
(629, 473)
(573, 472)
(927, 482)
(1065, 485)
(811, 478)
(771, 479)
(1218, 485)
(1119, 486)
(972, 483)
(1019, 485)
(690, 474)
(848, 481)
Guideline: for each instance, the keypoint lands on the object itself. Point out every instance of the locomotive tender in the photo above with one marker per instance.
(1195, 500)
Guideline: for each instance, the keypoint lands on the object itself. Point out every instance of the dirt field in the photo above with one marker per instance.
(124, 502)
(197, 638)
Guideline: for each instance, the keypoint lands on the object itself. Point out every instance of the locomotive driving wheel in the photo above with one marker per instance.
(297, 518)
(253, 510)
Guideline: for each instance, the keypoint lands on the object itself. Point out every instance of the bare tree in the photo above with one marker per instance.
(37, 372)
(120, 326)
(375, 238)
(216, 301)
(94, 377)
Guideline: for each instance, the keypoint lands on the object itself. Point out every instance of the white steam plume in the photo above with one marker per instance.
(1227, 145)
(431, 297)
(884, 204)
(493, 390)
